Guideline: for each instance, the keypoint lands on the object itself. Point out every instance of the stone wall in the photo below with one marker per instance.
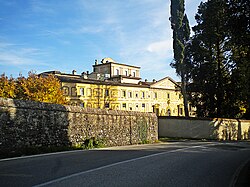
(204, 128)
(34, 124)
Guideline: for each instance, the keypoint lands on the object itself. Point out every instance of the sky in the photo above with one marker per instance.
(66, 35)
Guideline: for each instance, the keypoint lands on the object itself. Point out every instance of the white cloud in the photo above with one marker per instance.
(162, 48)
(136, 32)
(13, 59)
(87, 29)
(13, 54)
(148, 45)
(41, 7)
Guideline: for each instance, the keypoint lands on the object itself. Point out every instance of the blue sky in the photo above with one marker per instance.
(44, 35)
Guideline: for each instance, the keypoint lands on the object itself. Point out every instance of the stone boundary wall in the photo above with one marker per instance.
(34, 124)
(204, 128)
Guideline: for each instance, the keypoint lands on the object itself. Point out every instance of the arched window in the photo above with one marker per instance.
(65, 90)
(73, 91)
(168, 112)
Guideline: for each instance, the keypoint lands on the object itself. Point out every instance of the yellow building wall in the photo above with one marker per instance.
(163, 102)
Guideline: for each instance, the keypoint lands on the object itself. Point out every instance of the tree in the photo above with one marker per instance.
(211, 67)
(7, 87)
(220, 59)
(34, 87)
(181, 34)
(239, 27)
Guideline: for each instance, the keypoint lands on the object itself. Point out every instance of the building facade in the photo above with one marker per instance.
(117, 86)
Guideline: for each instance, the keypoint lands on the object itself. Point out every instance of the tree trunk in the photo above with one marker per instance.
(219, 81)
(184, 93)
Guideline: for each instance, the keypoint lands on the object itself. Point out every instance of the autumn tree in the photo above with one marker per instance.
(181, 35)
(7, 87)
(34, 87)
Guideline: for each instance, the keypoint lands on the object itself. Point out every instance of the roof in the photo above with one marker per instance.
(78, 79)
(117, 64)
(70, 78)
(169, 78)
(146, 83)
(126, 77)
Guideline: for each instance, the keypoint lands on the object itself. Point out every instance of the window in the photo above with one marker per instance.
(65, 90)
(155, 95)
(190, 107)
(82, 105)
(136, 95)
(130, 108)
(168, 96)
(98, 92)
(133, 74)
(181, 111)
(137, 106)
(73, 91)
(81, 91)
(126, 72)
(124, 93)
(106, 93)
(143, 94)
(106, 105)
(143, 105)
(168, 112)
(117, 71)
(130, 94)
(89, 92)
(124, 105)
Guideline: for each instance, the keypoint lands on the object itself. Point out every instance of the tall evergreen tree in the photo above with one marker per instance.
(211, 67)
(181, 34)
(239, 27)
(220, 59)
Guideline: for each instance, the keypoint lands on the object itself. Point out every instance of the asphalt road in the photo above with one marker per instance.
(166, 164)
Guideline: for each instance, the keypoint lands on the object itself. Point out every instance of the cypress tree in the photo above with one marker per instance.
(181, 36)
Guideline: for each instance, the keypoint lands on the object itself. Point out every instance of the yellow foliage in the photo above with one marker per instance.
(34, 87)
(7, 87)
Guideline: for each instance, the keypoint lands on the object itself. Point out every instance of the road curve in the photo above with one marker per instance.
(167, 164)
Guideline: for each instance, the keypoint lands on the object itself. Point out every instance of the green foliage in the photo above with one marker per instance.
(93, 142)
(220, 59)
(239, 28)
(34, 87)
(181, 33)
(181, 36)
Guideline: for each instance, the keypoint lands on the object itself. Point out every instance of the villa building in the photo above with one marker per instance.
(118, 86)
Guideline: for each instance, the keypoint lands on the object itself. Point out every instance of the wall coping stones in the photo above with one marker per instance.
(34, 105)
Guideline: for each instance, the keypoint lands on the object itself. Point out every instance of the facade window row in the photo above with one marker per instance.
(126, 72)
(99, 92)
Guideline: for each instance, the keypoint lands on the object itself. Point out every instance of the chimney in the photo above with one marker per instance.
(146, 80)
(154, 80)
(84, 75)
(73, 72)
(96, 62)
(87, 72)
